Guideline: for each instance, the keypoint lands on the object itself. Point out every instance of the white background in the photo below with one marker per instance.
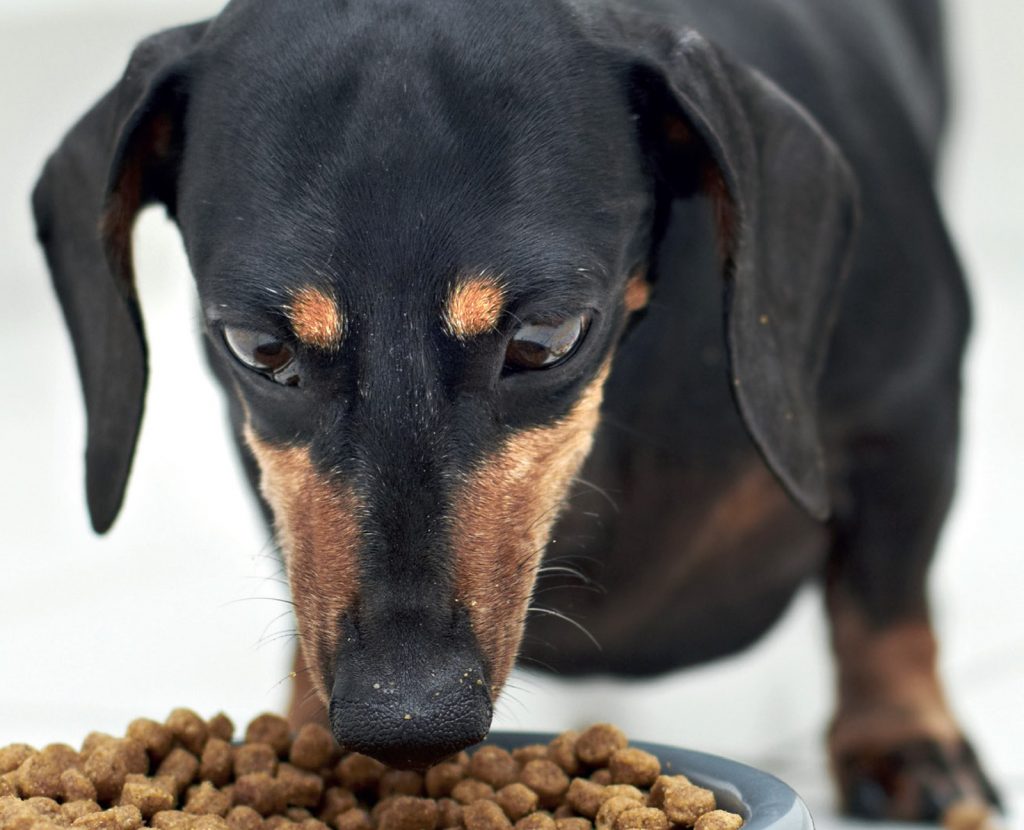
(179, 604)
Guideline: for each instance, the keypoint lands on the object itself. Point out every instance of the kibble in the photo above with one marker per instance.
(642, 818)
(156, 738)
(269, 729)
(494, 765)
(547, 779)
(312, 748)
(485, 815)
(217, 763)
(206, 800)
(684, 805)
(595, 746)
(185, 774)
(719, 820)
(517, 800)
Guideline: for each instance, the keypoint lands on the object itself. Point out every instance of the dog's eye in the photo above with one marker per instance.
(263, 353)
(542, 345)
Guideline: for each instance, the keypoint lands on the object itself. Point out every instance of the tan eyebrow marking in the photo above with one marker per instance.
(474, 307)
(638, 292)
(316, 318)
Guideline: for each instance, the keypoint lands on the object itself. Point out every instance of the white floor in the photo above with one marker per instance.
(179, 605)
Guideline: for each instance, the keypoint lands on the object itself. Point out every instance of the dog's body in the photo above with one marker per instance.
(443, 201)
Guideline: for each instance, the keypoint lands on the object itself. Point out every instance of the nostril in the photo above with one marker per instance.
(411, 719)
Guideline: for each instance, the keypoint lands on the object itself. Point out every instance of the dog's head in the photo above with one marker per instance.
(419, 231)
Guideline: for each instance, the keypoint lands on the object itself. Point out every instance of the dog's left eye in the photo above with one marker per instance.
(263, 353)
(543, 345)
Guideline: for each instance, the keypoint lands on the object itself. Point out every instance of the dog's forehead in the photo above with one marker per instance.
(407, 139)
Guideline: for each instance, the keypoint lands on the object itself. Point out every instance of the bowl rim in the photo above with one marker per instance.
(764, 801)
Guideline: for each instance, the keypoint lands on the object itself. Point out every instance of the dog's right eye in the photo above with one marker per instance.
(263, 353)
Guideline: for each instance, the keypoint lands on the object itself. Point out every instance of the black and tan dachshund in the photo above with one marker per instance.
(659, 284)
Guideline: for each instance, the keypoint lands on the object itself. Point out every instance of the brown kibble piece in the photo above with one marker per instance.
(662, 784)
(440, 778)
(493, 765)
(563, 811)
(209, 822)
(400, 782)
(75, 786)
(359, 772)
(116, 818)
(684, 805)
(562, 750)
(536, 821)
(610, 809)
(595, 745)
(719, 820)
(601, 776)
(337, 800)
(530, 752)
(634, 766)
(188, 729)
(312, 748)
(269, 729)
(151, 796)
(585, 796)
(355, 819)
(207, 800)
(298, 787)
(244, 818)
(45, 807)
(516, 800)
(172, 820)
(221, 726)
(484, 815)
(278, 823)
(573, 823)
(255, 757)
(642, 818)
(13, 756)
(405, 812)
(180, 765)
(72, 810)
(547, 779)
(39, 776)
(156, 738)
(8, 786)
(259, 791)
(449, 813)
(93, 741)
(628, 790)
(217, 762)
(110, 763)
(469, 790)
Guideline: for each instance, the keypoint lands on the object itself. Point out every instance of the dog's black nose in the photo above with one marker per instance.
(412, 711)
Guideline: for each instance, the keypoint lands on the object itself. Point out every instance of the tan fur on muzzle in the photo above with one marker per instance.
(317, 526)
(502, 522)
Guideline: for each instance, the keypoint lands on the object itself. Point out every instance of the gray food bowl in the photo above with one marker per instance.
(762, 799)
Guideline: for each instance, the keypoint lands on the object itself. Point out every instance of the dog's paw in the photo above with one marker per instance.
(913, 781)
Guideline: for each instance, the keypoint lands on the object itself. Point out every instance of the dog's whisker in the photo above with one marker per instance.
(601, 491)
(551, 612)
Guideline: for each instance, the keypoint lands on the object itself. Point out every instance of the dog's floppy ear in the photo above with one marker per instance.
(122, 155)
(785, 204)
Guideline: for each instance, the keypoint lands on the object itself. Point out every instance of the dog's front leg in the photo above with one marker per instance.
(896, 749)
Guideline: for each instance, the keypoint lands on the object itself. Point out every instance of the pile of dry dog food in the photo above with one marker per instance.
(188, 773)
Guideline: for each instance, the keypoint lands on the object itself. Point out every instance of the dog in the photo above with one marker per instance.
(661, 286)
